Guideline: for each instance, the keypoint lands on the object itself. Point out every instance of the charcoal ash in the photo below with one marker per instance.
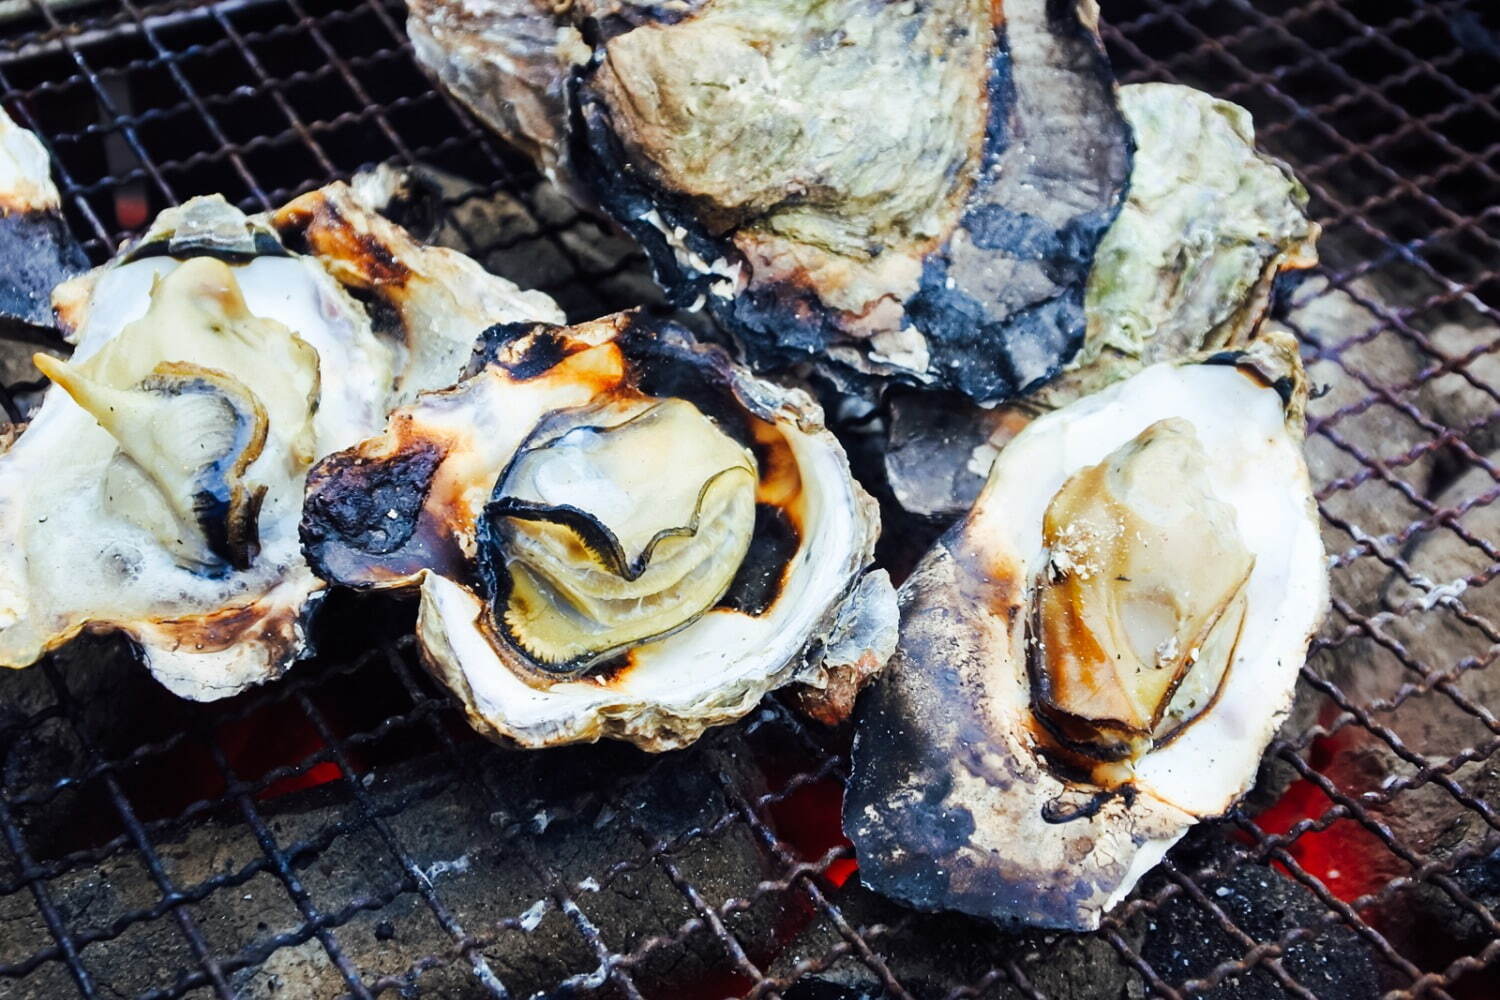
(476, 828)
(1185, 940)
(934, 954)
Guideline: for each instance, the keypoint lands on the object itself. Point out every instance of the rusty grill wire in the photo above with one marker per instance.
(1387, 108)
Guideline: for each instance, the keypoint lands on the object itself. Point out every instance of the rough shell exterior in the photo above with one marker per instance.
(782, 164)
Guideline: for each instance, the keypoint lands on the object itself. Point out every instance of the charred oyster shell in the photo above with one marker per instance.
(38, 249)
(616, 532)
(913, 191)
(157, 490)
(1188, 265)
(1096, 657)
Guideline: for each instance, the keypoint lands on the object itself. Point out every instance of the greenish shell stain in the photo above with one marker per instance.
(1207, 224)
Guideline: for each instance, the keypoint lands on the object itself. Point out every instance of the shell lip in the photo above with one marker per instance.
(259, 244)
(206, 226)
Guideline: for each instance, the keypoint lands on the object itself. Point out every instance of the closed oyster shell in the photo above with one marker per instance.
(913, 191)
(418, 507)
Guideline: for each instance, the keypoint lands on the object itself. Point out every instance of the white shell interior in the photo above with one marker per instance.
(1256, 467)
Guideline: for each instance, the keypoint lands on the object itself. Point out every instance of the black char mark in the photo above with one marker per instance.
(1000, 314)
(360, 511)
(545, 349)
(919, 729)
(39, 254)
(760, 576)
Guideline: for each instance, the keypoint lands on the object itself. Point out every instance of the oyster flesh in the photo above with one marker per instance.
(1188, 265)
(158, 489)
(1097, 656)
(38, 250)
(894, 190)
(615, 532)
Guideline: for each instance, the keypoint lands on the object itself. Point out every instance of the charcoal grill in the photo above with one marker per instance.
(342, 832)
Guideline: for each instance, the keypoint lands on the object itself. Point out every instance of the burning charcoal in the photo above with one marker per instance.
(899, 192)
(1453, 399)
(1430, 654)
(476, 828)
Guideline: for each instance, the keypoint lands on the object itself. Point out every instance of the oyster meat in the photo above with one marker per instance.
(1096, 657)
(1188, 265)
(616, 532)
(38, 249)
(158, 489)
(897, 190)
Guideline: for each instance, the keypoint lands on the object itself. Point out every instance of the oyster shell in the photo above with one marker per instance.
(158, 489)
(616, 532)
(38, 249)
(1187, 265)
(884, 189)
(1096, 657)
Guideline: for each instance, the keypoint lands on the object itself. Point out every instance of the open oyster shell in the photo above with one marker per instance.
(616, 532)
(1188, 265)
(38, 250)
(882, 189)
(1096, 657)
(158, 488)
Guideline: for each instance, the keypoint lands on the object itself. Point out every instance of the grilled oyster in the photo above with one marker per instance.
(158, 489)
(38, 250)
(616, 532)
(1095, 659)
(886, 189)
(1188, 265)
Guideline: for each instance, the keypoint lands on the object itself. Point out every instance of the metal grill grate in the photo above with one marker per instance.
(342, 833)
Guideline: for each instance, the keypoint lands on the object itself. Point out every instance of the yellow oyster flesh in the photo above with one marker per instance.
(173, 390)
(1140, 598)
(625, 526)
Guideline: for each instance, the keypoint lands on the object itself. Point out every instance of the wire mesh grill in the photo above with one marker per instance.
(342, 833)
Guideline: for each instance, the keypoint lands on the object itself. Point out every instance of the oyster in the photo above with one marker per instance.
(1095, 659)
(899, 190)
(35, 243)
(158, 489)
(1187, 265)
(615, 532)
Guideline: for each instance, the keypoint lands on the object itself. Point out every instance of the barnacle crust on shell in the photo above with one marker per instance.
(1096, 657)
(616, 532)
